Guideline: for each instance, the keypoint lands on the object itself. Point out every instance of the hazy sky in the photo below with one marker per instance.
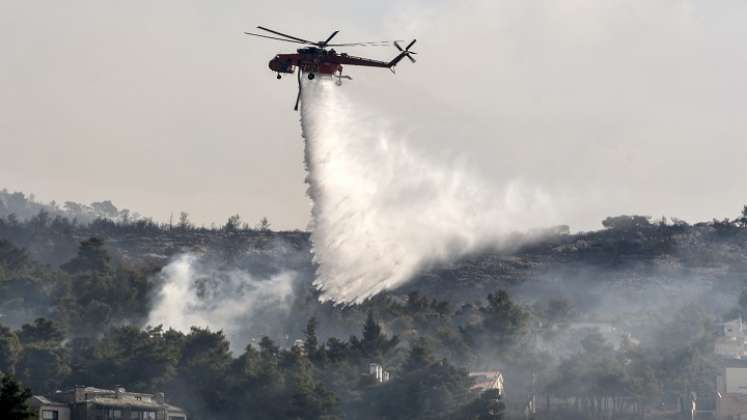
(610, 107)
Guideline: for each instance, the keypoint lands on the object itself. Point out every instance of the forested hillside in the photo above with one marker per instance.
(626, 313)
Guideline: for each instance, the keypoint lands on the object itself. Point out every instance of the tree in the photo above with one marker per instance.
(503, 320)
(742, 219)
(203, 366)
(92, 256)
(374, 344)
(13, 400)
(420, 356)
(184, 223)
(10, 349)
(12, 258)
(337, 350)
(42, 331)
(233, 223)
(433, 393)
(311, 342)
(263, 225)
(627, 223)
(43, 367)
(308, 400)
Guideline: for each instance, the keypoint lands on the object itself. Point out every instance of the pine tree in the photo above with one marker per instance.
(10, 348)
(311, 342)
(13, 400)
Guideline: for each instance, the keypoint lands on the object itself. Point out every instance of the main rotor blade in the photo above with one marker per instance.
(286, 35)
(363, 44)
(411, 44)
(275, 38)
(324, 43)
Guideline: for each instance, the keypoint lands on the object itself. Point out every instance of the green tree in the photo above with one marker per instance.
(42, 331)
(742, 219)
(311, 342)
(374, 344)
(233, 223)
(202, 369)
(503, 323)
(184, 223)
(12, 258)
(43, 367)
(10, 349)
(437, 392)
(13, 400)
(420, 356)
(140, 359)
(264, 225)
(92, 256)
(308, 399)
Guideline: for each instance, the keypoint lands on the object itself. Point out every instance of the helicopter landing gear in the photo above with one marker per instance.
(311, 76)
(339, 78)
(298, 97)
(279, 76)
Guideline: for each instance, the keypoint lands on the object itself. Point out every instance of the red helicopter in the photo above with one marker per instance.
(317, 59)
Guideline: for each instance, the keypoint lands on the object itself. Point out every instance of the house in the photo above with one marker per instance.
(88, 403)
(45, 409)
(732, 340)
(378, 373)
(731, 390)
(491, 381)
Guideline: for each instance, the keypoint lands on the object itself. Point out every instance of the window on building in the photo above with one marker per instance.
(50, 415)
(135, 415)
(115, 414)
(176, 418)
(149, 415)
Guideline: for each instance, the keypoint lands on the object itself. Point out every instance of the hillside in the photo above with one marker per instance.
(630, 300)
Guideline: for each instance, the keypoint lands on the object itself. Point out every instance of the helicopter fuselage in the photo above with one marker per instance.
(309, 60)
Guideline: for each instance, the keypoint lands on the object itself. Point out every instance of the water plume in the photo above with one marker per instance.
(381, 210)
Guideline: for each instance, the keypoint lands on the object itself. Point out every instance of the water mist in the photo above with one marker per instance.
(381, 211)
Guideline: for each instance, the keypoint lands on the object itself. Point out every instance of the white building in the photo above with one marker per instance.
(732, 344)
(88, 403)
(731, 395)
(46, 409)
(486, 381)
(377, 371)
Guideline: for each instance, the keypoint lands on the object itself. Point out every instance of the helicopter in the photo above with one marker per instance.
(320, 58)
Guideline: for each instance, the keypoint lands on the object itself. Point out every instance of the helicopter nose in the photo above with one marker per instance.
(274, 64)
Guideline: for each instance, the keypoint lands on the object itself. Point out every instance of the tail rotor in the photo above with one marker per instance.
(405, 52)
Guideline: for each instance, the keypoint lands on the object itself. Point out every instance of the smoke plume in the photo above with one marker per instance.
(381, 211)
(197, 292)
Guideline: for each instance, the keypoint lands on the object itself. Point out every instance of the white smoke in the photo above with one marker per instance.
(381, 211)
(194, 293)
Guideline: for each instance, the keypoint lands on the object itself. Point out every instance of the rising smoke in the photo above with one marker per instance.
(198, 292)
(381, 211)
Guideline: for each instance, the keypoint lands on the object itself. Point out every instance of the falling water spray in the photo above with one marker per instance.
(381, 211)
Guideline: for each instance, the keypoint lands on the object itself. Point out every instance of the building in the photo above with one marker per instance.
(731, 390)
(378, 373)
(732, 340)
(88, 403)
(491, 381)
(49, 410)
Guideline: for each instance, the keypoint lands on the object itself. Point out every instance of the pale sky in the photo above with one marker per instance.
(611, 107)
